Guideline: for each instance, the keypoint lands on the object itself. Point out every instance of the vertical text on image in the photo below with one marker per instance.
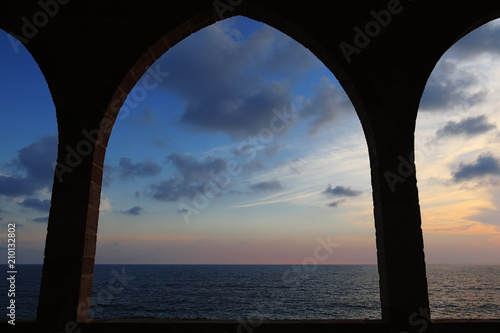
(11, 272)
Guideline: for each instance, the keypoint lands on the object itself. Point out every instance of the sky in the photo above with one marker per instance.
(246, 150)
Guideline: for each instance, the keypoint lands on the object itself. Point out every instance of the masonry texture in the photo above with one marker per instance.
(382, 52)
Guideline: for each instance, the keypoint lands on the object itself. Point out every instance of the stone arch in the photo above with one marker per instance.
(164, 67)
(84, 41)
(99, 126)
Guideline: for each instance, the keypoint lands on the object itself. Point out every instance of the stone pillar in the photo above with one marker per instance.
(403, 282)
(72, 230)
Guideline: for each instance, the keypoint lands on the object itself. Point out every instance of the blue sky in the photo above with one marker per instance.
(249, 151)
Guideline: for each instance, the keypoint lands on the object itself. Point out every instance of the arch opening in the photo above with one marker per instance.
(244, 123)
(456, 158)
(28, 153)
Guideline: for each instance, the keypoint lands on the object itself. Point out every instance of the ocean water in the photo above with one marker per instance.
(264, 291)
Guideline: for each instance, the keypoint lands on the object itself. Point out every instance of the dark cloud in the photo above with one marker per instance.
(272, 185)
(326, 106)
(486, 164)
(193, 177)
(336, 203)
(470, 126)
(238, 118)
(41, 219)
(448, 88)
(130, 170)
(233, 86)
(33, 203)
(340, 191)
(33, 168)
(484, 39)
(136, 210)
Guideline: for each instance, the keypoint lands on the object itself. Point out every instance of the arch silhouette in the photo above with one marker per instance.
(376, 79)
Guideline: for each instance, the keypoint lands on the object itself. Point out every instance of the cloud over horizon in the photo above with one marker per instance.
(470, 126)
(129, 170)
(192, 177)
(326, 106)
(486, 164)
(335, 204)
(136, 211)
(33, 203)
(450, 87)
(32, 167)
(271, 185)
(340, 191)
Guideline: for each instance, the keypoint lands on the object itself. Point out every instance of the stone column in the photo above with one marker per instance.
(72, 230)
(400, 250)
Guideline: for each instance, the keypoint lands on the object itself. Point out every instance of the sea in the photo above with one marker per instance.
(263, 291)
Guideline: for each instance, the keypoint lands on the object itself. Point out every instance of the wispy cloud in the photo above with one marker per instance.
(338, 191)
(281, 197)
